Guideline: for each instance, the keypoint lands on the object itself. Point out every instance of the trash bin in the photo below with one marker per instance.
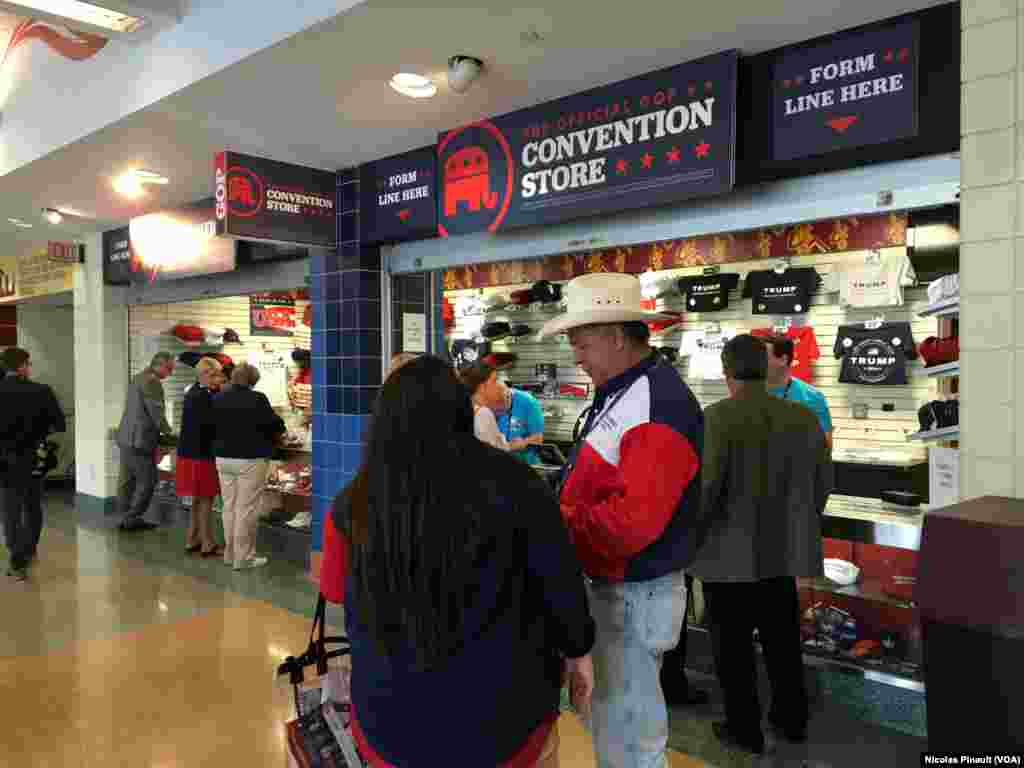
(970, 592)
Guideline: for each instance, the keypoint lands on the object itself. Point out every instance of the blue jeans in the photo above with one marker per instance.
(636, 624)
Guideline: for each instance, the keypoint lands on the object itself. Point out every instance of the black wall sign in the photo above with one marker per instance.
(117, 254)
(851, 92)
(661, 137)
(399, 197)
(259, 199)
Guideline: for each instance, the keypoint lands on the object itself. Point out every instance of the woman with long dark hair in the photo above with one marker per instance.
(464, 600)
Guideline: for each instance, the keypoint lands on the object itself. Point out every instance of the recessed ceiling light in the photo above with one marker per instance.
(53, 216)
(413, 86)
(129, 184)
(87, 13)
(20, 223)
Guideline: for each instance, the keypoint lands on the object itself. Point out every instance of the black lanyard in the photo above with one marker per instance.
(785, 395)
(594, 419)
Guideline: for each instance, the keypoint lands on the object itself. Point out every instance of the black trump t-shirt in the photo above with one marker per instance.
(781, 293)
(707, 293)
(875, 356)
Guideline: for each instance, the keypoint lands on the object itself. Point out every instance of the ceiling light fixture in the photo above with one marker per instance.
(53, 216)
(20, 223)
(413, 86)
(87, 13)
(130, 184)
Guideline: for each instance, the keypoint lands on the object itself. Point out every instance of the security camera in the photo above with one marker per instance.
(462, 71)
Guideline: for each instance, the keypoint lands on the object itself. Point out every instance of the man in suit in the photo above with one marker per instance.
(28, 413)
(138, 439)
(767, 476)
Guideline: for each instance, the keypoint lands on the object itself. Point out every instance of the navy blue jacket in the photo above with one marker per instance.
(197, 428)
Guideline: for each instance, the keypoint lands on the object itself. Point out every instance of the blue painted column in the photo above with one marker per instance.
(346, 353)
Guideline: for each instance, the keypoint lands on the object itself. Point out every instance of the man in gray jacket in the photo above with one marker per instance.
(138, 438)
(766, 480)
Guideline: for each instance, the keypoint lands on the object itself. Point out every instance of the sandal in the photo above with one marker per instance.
(193, 550)
(215, 552)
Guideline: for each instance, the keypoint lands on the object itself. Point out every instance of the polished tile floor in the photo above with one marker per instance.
(120, 651)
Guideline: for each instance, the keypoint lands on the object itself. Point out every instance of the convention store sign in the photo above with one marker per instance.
(854, 91)
(398, 197)
(171, 245)
(41, 275)
(260, 199)
(657, 138)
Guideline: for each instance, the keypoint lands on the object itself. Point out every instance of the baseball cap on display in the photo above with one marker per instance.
(231, 336)
(190, 358)
(220, 358)
(307, 316)
(547, 292)
(301, 357)
(188, 334)
(936, 351)
(496, 330)
(657, 326)
(519, 330)
(524, 296)
(500, 360)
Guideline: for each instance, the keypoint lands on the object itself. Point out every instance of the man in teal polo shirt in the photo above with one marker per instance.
(521, 421)
(782, 383)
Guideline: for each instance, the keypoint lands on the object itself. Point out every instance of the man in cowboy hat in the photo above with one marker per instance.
(629, 496)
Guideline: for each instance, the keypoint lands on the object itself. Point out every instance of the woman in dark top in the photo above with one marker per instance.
(460, 585)
(247, 429)
(195, 470)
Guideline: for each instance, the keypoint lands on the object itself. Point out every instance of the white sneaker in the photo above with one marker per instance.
(252, 562)
(301, 520)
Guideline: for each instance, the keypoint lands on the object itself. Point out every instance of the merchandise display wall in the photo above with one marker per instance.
(150, 331)
(875, 425)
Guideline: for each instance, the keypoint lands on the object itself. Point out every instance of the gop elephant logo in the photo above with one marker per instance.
(245, 192)
(477, 179)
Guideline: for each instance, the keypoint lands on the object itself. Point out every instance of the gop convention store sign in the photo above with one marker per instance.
(851, 92)
(657, 138)
(264, 200)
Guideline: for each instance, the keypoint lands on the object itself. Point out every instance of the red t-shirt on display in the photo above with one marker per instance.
(805, 348)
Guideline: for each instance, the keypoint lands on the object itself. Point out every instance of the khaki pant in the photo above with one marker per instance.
(241, 485)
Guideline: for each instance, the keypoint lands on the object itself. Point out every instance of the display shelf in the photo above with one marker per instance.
(869, 521)
(947, 308)
(946, 433)
(871, 590)
(939, 371)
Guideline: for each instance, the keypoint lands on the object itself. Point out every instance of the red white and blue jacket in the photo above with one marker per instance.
(632, 488)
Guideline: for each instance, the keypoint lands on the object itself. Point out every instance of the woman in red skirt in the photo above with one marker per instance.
(196, 473)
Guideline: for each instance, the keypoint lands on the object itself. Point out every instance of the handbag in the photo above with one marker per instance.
(321, 733)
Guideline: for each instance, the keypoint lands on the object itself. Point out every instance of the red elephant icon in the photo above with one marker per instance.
(467, 179)
(240, 191)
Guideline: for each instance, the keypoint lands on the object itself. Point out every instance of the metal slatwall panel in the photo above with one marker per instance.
(157, 320)
(882, 433)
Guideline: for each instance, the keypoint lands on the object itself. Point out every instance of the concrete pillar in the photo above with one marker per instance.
(101, 377)
(992, 250)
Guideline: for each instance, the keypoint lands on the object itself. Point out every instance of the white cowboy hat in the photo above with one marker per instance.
(603, 297)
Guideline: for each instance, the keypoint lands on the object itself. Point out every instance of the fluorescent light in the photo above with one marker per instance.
(129, 184)
(20, 223)
(413, 86)
(87, 13)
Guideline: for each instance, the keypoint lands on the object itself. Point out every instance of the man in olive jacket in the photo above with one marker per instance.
(138, 437)
(766, 480)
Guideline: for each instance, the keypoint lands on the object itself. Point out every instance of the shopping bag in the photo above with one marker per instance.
(320, 736)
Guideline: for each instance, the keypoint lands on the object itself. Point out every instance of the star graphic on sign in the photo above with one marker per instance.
(702, 149)
(708, 85)
(692, 90)
(622, 167)
(787, 83)
(888, 57)
(647, 160)
(672, 155)
(904, 53)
